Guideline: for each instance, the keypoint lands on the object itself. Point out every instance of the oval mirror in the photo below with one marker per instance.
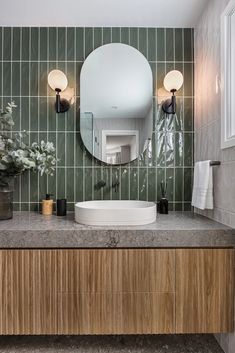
(116, 91)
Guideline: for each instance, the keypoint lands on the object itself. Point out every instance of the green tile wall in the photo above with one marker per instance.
(26, 57)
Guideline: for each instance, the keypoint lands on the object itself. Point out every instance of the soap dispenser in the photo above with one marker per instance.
(47, 205)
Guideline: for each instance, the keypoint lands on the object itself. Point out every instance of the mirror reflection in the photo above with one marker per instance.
(116, 103)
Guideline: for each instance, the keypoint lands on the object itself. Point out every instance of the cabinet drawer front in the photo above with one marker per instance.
(116, 270)
(204, 290)
(115, 313)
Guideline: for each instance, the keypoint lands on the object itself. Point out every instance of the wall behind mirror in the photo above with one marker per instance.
(26, 57)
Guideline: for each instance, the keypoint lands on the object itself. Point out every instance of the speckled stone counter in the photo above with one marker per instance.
(178, 229)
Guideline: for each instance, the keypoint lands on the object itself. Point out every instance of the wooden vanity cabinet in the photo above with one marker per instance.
(116, 291)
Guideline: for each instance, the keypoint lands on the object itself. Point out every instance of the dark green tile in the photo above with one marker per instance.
(125, 186)
(52, 184)
(179, 149)
(42, 187)
(169, 44)
(43, 114)
(106, 176)
(161, 33)
(97, 37)
(88, 41)
(34, 43)
(16, 43)
(34, 126)
(170, 183)
(1, 37)
(16, 79)
(170, 149)
(6, 78)
(125, 35)
(187, 184)
(107, 35)
(152, 50)
(188, 44)
(62, 36)
(25, 104)
(116, 176)
(61, 183)
(70, 175)
(34, 187)
(179, 207)
(70, 149)
(188, 114)
(78, 151)
(34, 78)
(116, 34)
(152, 184)
(134, 37)
(179, 117)
(188, 79)
(160, 149)
(178, 44)
(61, 147)
(52, 43)
(143, 184)
(188, 149)
(161, 73)
(43, 85)
(71, 43)
(154, 73)
(188, 207)
(179, 181)
(44, 37)
(16, 113)
(143, 44)
(134, 195)
(160, 178)
(25, 79)
(26, 38)
(51, 114)
(80, 45)
(97, 179)
(7, 38)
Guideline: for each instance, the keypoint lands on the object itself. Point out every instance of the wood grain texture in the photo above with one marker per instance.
(116, 291)
(204, 290)
(28, 301)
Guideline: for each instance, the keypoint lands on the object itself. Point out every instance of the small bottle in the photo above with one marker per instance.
(47, 205)
(61, 207)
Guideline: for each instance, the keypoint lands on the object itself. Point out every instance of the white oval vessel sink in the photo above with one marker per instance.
(101, 213)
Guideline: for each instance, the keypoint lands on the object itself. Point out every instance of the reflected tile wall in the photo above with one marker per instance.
(26, 57)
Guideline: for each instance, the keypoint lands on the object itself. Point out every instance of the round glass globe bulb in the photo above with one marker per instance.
(173, 80)
(57, 80)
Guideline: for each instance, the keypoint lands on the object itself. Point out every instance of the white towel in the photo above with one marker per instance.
(203, 186)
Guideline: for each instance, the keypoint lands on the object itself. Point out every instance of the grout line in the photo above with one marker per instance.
(38, 107)
(47, 100)
(183, 121)
(29, 190)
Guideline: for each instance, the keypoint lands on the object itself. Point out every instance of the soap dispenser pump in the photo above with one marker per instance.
(47, 205)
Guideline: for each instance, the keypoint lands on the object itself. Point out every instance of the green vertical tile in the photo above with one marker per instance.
(107, 190)
(25, 78)
(188, 114)
(160, 178)
(188, 79)
(87, 157)
(71, 43)
(179, 149)
(43, 33)
(25, 48)
(34, 43)
(52, 184)
(51, 114)
(170, 183)
(70, 184)
(179, 116)
(169, 44)
(71, 116)
(52, 43)
(161, 44)
(88, 41)
(34, 114)
(33, 187)
(1, 70)
(125, 183)
(25, 103)
(80, 44)
(161, 73)
(61, 147)
(170, 149)
(125, 35)
(78, 71)
(16, 79)
(116, 34)
(42, 187)
(180, 67)
(16, 43)
(143, 43)
(7, 38)
(16, 112)
(179, 207)
(179, 180)
(187, 184)
(43, 85)
(188, 149)
(161, 149)
(106, 35)
(97, 37)
(178, 44)
(6, 78)
(143, 183)
(134, 37)
(70, 149)
(62, 35)
(78, 150)
(97, 178)
(71, 75)
(43, 114)
(115, 175)
(34, 78)
(188, 44)
(1, 52)
(152, 42)
(134, 184)
(152, 185)
(61, 183)
(154, 73)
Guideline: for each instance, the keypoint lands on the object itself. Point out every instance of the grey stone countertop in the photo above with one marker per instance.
(178, 229)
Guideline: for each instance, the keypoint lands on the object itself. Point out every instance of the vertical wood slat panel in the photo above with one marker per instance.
(28, 301)
(204, 290)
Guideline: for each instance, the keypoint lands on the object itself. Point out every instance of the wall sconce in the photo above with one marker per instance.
(173, 81)
(58, 81)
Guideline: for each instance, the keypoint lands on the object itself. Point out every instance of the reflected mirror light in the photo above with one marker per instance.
(116, 103)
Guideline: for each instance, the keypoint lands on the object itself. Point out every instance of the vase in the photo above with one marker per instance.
(6, 199)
